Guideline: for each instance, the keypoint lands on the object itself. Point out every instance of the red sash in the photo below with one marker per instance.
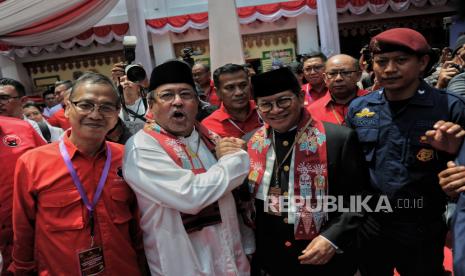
(178, 151)
(309, 170)
(184, 157)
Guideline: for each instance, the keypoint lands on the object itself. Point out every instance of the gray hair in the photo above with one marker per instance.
(94, 78)
(66, 83)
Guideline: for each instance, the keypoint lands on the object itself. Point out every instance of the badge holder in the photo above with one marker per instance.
(91, 261)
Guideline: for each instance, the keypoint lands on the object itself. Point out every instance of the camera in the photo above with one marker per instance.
(186, 54)
(134, 72)
(461, 69)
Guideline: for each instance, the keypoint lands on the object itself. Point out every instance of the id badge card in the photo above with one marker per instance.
(274, 197)
(91, 261)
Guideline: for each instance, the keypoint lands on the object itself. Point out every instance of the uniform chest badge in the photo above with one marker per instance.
(425, 155)
(365, 113)
(11, 140)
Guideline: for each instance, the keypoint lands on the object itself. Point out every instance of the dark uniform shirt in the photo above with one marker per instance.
(401, 166)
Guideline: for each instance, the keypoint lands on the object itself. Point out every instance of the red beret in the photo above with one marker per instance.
(398, 39)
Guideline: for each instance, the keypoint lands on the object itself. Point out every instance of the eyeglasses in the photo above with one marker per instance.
(85, 108)
(283, 102)
(169, 96)
(343, 73)
(316, 68)
(7, 98)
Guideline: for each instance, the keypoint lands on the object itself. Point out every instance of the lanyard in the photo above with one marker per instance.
(236, 126)
(277, 167)
(80, 188)
(335, 114)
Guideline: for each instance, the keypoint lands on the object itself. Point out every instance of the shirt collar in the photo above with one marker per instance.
(223, 114)
(311, 89)
(326, 99)
(73, 150)
(422, 97)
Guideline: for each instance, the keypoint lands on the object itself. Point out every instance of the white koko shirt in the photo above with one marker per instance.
(164, 190)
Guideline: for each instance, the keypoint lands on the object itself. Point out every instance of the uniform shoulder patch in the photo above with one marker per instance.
(365, 113)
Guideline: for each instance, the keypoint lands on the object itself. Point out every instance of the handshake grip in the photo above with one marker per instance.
(229, 145)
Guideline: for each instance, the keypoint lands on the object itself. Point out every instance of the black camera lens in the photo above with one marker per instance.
(458, 67)
(135, 73)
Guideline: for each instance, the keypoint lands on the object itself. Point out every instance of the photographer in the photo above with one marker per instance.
(204, 84)
(454, 67)
(132, 97)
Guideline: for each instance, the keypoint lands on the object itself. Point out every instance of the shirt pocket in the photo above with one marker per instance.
(62, 210)
(120, 200)
(368, 138)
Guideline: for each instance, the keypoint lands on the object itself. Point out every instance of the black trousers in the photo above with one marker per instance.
(412, 248)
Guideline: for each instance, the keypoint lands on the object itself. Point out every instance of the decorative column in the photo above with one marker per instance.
(138, 28)
(329, 31)
(307, 34)
(162, 48)
(224, 35)
(9, 68)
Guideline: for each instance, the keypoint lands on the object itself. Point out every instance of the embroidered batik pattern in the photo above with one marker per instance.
(311, 139)
(259, 141)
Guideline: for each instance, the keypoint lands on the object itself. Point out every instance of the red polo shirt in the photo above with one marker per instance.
(211, 96)
(222, 124)
(58, 119)
(325, 109)
(311, 95)
(51, 222)
(16, 137)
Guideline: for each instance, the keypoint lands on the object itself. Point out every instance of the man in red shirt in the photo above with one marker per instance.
(313, 67)
(12, 97)
(237, 116)
(60, 88)
(342, 74)
(73, 212)
(58, 119)
(201, 74)
(16, 137)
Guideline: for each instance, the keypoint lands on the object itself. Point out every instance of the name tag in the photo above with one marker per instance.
(364, 122)
(273, 206)
(91, 261)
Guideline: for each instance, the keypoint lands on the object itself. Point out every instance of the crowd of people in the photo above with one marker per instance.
(328, 166)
